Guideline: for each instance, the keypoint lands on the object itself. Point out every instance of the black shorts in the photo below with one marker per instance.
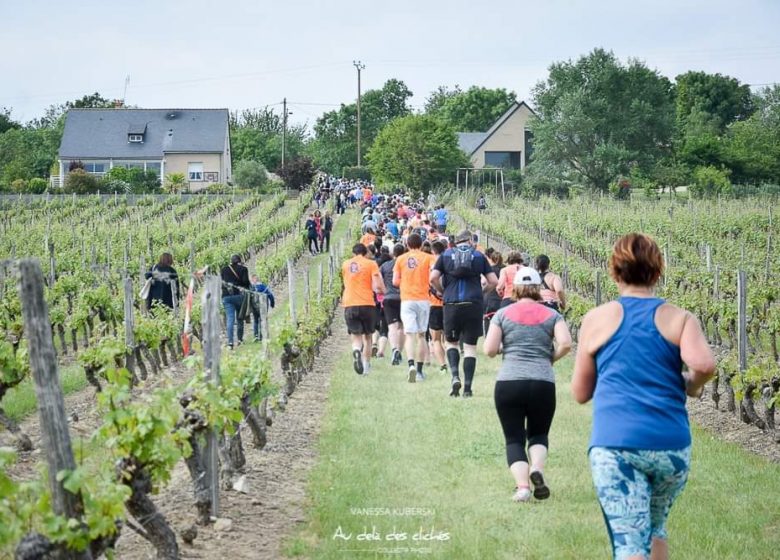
(392, 311)
(361, 319)
(463, 322)
(436, 318)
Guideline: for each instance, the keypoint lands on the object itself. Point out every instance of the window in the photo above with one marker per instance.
(95, 167)
(135, 138)
(503, 159)
(129, 164)
(195, 171)
(153, 166)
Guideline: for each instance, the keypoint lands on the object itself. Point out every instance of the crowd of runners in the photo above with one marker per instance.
(418, 290)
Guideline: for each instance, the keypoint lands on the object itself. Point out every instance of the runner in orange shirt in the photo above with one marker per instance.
(361, 279)
(411, 274)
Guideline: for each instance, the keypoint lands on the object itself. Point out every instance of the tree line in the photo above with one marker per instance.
(601, 124)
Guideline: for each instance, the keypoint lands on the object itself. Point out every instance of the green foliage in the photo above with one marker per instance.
(722, 98)
(256, 135)
(355, 172)
(335, 143)
(6, 122)
(420, 151)
(473, 110)
(250, 174)
(79, 181)
(133, 180)
(175, 183)
(710, 182)
(598, 117)
(37, 185)
(27, 152)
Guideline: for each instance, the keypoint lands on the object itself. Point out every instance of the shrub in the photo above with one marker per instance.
(79, 181)
(37, 185)
(250, 174)
(621, 189)
(19, 185)
(709, 181)
(356, 173)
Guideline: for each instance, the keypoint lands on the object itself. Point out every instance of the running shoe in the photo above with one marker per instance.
(455, 392)
(541, 491)
(467, 393)
(420, 376)
(357, 361)
(374, 351)
(397, 357)
(522, 495)
(412, 374)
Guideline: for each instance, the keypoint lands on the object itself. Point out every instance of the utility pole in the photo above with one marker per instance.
(360, 66)
(284, 128)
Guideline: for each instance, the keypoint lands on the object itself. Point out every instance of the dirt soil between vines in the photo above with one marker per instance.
(276, 477)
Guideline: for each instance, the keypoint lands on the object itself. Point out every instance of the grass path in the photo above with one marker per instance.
(390, 444)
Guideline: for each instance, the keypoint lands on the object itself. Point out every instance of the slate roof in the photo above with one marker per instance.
(468, 141)
(102, 133)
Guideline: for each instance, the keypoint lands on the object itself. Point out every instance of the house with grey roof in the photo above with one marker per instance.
(507, 144)
(195, 142)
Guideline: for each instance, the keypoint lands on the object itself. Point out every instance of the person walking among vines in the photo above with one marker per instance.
(327, 228)
(235, 277)
(629, 361)
(164, 288)
(312, 234)
(553, 294)
(532, 338)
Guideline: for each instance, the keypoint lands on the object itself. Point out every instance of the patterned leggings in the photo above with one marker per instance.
(636, 489)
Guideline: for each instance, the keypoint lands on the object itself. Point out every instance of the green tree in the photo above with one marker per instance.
(79, 181)
(335, 144)
(6, 122)
(256, 135)
(175, 183)
(709, 182)
(250, 174)
(473, 110)
(436, 100)
(420, 151)
(598, 117)
(27, 152)
(722, 98)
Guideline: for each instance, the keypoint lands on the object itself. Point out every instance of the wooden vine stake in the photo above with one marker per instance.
(291, 296)
(51, 404)
(129, 326)
(742, 321)
(211, 354)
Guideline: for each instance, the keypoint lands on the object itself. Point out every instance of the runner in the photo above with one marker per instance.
(391, 306)
(361, 281)
(553, 295)
(442, 217)
(457, 274)
(436, 319)
(411, 274)
(533, 338)
(514, 261)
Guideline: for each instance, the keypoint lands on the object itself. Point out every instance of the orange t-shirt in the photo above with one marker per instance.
(368, 239)
(358, 288)
(414, 269)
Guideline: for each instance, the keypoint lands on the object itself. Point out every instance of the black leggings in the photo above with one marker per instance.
(316, 246)
(525, 409)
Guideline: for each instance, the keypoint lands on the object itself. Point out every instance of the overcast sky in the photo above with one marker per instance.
(243, 53)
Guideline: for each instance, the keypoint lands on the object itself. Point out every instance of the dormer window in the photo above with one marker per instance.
(135, 138)
(136, 133)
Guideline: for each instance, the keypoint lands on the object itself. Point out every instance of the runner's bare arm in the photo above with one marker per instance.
(435, 280)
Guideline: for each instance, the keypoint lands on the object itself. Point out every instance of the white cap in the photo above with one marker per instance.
(527, 276)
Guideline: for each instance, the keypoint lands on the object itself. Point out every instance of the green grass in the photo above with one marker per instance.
(21, 401)
(390, 444)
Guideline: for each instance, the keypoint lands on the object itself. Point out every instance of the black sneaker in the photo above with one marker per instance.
(397, 357)
(357, 361)
(467, 393)
(541, 491)
(455, 392)
(374, 351)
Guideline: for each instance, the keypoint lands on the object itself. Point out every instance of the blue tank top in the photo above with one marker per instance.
(639, 401)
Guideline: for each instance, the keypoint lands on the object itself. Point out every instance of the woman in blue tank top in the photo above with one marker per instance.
(629, 361)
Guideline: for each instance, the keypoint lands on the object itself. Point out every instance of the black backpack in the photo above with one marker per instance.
(462, 259)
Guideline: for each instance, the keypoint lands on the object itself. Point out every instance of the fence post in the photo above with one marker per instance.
(331, 265)
(742, 320)
(211, 354)
(291, 295)
(264, 330)
(129, 325)
(51, 403)
(52, 265)
(320, 283)
(307, 289)
(708, 250)
(716, 283)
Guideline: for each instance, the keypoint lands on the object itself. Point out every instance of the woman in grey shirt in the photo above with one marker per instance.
(533, 337)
